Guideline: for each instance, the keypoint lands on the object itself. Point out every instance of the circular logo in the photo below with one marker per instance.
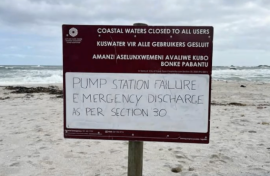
(73, 32)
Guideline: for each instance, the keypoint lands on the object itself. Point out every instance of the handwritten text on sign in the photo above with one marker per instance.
(153, 102)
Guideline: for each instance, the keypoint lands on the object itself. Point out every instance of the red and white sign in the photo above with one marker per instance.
(144, 83)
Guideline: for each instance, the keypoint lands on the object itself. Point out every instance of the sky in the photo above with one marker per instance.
(31, 30)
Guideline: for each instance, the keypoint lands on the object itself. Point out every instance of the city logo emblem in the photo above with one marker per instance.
(73, 32)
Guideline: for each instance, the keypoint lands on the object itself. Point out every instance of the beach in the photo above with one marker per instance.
(32, 142)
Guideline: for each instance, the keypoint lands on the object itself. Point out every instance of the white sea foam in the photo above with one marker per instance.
(36, 66)
(243, 74)
(52, 79)
(24, 76)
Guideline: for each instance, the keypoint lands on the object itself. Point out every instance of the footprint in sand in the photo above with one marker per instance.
(181, 155)
(114, 151)
(83, 153)
(68, 155)
(48, 162)
(46, 158)
(15, 164)
(220, 158)
(30, 162)
(39, 140)
(182, 162)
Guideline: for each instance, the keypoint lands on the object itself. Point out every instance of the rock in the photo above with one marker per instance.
(4, 98)
(20, 89)
(251, 131)
(191, 169)
(259, 107)
(265, 104)
(242, 86)
(237, 104)
(226, 104)
(53, 87)
(28, 95)
(176, 169)
(218, 104)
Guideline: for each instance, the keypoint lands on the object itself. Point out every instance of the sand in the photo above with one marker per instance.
(32, 143)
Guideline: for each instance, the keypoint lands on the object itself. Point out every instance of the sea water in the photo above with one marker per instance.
(40, 74)
(21, 74)
(250, 74)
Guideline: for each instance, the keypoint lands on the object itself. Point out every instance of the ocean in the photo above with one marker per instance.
(39, 74)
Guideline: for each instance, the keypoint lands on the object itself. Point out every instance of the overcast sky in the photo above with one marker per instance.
(30, 30)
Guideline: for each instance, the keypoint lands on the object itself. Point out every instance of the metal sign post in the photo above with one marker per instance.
(135, 158)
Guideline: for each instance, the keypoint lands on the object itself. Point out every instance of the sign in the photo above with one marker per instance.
(144, 83)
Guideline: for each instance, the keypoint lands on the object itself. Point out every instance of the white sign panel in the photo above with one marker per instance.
(152, 102)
